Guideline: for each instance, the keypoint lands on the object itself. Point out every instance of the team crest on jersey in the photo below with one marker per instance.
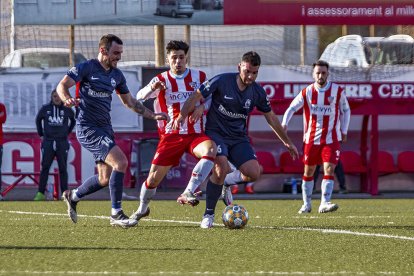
(194, 84)
(247, 104)
(62, 113)
(74, 71)
(113, 82)
(331, 99)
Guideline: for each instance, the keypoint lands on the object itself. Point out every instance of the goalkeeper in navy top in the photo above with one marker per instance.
(96, 80)
(58, 122)
(234, 96)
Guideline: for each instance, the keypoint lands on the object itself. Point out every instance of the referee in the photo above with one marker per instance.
(54, 122)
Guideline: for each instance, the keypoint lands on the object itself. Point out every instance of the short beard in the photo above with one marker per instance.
(323, 82)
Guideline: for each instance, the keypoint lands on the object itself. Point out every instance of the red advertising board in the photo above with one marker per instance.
(318, 12)
(365, 98)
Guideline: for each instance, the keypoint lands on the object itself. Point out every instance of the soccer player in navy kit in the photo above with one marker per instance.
(96, 81)
(58, 122)
(234, 96)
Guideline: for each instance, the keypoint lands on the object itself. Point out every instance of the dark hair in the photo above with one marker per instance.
(252, 57)
(175, 45)
(106, 41)
(321, 63)
(51, 95)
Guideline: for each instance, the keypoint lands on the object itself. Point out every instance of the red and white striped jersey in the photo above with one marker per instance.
(326, 113)
(179, 88)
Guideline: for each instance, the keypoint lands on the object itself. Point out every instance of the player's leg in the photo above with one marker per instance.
(48, 153)
(214, 188)
(205, 150)
(115, 167)
(169, 151)
(330, 157)
(148, 190)
(307, 188)
(90, 138)
(312, 153)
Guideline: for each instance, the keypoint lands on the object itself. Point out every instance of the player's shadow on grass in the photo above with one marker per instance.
(15, 247)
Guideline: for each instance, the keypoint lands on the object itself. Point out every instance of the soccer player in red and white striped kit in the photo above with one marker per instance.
(326, 116)
(170, 90)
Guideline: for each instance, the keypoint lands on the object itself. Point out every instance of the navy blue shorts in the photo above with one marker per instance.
(97, 140)
(237, 149)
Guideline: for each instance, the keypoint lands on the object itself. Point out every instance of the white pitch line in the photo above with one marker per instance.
(202, 273)
(321, 230)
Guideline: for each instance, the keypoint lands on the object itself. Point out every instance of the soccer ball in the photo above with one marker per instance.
(235, 216)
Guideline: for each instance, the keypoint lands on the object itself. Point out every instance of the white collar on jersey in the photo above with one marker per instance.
(183, 75)
(323, 89)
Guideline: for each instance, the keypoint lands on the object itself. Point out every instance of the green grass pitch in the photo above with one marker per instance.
(364, 237)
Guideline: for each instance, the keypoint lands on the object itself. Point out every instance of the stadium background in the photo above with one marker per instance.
(217, 45)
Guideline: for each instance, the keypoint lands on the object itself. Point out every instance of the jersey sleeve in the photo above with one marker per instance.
(294, 106)
(78, 72)
(208, 87)
(345, 113)
(122, 87)
(263, 104)
(146, 92)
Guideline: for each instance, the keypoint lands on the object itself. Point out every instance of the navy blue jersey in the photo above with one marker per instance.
(231, 107)
(95, 86)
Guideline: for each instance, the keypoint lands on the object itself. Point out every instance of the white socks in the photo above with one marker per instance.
(307, 189)
(233, 178)
(200, 172)
(327, 188)
(145, 197)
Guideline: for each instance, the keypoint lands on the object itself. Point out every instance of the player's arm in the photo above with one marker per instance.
(148, 91)
(294, 106)
(136, 106)
(277, 128)
(344, 116)
(63, 91)
(200, 110)
(187, 108)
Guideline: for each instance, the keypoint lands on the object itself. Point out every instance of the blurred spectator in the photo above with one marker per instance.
(58, 121)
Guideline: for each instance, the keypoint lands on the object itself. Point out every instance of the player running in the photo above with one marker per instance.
(234, 96)
(96, 80)
(170, 90)
(326, 116)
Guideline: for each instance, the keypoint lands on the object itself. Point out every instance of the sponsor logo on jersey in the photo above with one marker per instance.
(231, 114)
(321, 109)
(97, 94)
(228, 97)
(180, 96)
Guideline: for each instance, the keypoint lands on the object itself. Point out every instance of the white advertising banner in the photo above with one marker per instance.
(25, 91)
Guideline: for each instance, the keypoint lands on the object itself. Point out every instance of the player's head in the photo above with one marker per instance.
(177, 56)
(54, 98)
(320, 72)
(110, 50)
(249, 67)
